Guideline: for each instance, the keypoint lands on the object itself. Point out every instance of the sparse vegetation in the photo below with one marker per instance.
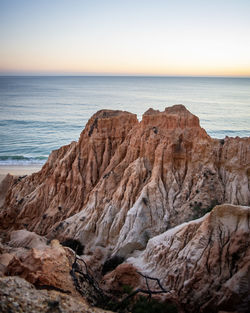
(111, 264)
(142, 304)
(129, 300)
(74, 245)
(127, 289)
(199, 211)
(145, 305)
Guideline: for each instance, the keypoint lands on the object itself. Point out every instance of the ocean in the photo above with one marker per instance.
(39, 114)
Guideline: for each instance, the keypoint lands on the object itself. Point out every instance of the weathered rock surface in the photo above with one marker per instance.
(48, 267)
(204, 263)
(5, 259)
(16, 245)
(26, 239)
(8, 181)
(51, 267)
(125, 275)
(17, 295)
(121, 184)
(125, 181)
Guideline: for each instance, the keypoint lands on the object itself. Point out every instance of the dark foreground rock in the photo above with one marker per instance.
(19, 296)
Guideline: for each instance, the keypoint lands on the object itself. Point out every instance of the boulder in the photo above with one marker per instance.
(45, 268)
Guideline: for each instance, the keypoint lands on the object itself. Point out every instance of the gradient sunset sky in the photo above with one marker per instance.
(139, 37)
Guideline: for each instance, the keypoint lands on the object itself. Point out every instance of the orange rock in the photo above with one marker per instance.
(63, 185)
(47, 267)
(124, 276)
(125, 181)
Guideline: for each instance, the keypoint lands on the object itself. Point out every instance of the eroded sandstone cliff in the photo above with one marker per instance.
(125, 181)
(126, 186)
(205, 263)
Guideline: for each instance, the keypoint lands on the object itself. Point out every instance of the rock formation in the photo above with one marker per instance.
(45, 282)
(204, 263)
(18, 295)
(125, 275)
(126, 186)
(49, 266)
(125, 181)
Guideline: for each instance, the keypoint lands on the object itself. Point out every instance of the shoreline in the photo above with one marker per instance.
(19, 170)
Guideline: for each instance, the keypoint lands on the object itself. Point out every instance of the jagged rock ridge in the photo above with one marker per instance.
(125, 181)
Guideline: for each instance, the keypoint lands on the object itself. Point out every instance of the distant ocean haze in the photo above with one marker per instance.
(40, 114)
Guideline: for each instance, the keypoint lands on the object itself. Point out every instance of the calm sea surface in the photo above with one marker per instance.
(40, 114)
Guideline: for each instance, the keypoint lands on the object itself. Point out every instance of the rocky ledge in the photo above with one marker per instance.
(130, 190)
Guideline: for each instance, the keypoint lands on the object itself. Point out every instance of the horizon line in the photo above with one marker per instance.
(123, 75)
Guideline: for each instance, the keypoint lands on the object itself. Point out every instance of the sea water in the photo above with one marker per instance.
(40, 114)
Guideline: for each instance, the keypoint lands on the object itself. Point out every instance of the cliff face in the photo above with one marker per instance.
(63, 185)
(125, 181)
(204, 263)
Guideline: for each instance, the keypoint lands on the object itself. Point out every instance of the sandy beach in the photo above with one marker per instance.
(18, 170)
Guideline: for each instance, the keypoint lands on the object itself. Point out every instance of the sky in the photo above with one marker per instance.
(124, 37)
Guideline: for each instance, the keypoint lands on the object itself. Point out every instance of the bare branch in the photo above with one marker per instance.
(155, 279)
(99, 295)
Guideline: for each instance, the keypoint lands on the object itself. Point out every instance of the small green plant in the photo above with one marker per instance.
(127, 289)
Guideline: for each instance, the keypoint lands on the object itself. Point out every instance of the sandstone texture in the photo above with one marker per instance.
(42, 277)
(26, 239)
(125, 275)
(48, 267)
(8, 181)
(126, 181)
(19, 296)
(205, 263)
(124, 187)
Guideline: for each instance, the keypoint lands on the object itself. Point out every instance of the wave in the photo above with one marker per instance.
(22, 160)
